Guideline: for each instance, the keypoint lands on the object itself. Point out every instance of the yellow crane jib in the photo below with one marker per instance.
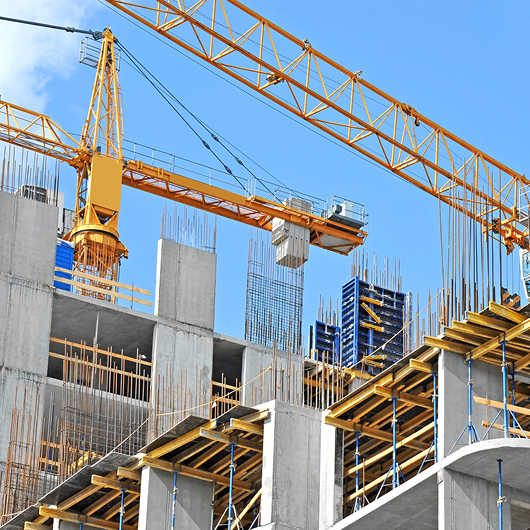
(237, 41)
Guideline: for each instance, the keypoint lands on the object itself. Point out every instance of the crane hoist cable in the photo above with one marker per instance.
(167, 95)
(96, 34)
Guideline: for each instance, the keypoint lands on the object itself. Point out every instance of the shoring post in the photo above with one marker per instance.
(395, 476)
(122, 508)
(231, 490)
(470, 425)
(174, 508)
(501, 499)
(435, 405)
(505, 389)
(357, 500)
(514, 419)
(472, 432)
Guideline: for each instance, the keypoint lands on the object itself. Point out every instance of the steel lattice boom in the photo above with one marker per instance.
(290, 72)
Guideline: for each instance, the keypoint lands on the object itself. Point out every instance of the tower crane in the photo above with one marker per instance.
(342, 104)
(290, 72)
(102, 169)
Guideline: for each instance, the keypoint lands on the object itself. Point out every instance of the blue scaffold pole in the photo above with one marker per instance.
(122, 508)
(395, 476)
(506, 425)
(231, 490)
(501, 499)
(174, 508)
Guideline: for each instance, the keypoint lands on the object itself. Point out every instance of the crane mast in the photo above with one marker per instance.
(98, 249)
(248, 47)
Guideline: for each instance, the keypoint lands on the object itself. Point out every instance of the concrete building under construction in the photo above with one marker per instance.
(121, 419)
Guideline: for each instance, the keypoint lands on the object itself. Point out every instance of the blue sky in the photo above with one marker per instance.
(462, 64)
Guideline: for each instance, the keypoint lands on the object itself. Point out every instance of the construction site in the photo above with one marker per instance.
(119, 413)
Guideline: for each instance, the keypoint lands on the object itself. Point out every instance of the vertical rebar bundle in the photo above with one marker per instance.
(195, 230)
(274, 298)
(28, 175)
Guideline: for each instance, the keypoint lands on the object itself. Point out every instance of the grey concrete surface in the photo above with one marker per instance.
(259, 359)
(291, 467)
(75, 317)
(185, 352)
(331, 475)
(480, 460)
(452, 389)
(194, 501)
(411, 506)
(185, 284)
(28, 241)
(27, 258)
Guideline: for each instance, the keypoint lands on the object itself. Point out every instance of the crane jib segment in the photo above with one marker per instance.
(39, 133)
(290, 72)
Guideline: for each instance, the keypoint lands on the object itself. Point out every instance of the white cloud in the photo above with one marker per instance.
(31, 56)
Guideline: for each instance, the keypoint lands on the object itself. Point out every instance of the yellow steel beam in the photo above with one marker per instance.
(86, 520)
(499, 405)
(404, 396)
(371, 313)
(349, 402)
(370, 432)
(195, 473)
(494, 343)
(420, 366)
(253, 210)
(371, 300)
(105, 482)
(372, 326)
(398, 137)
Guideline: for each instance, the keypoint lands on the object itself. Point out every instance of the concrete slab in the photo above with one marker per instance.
(70, 487)
(480, 460)
(412, 505)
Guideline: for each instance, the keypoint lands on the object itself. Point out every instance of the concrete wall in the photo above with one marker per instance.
(27, 258)
(291, 468)
(185, 284)
(194, 502)
(331, 475)
(284, 386)
(452, 389)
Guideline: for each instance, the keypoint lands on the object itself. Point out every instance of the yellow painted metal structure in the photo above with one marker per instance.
(251, 49)
(98, 249)
(102, 169)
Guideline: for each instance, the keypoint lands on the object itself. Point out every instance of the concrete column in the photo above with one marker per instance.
(183, 338)
(331, 473)
(194, 504)
(262, 360)
(452, 404)
(185, 284)
(27, 257)
(468, 502)
(291, 468)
